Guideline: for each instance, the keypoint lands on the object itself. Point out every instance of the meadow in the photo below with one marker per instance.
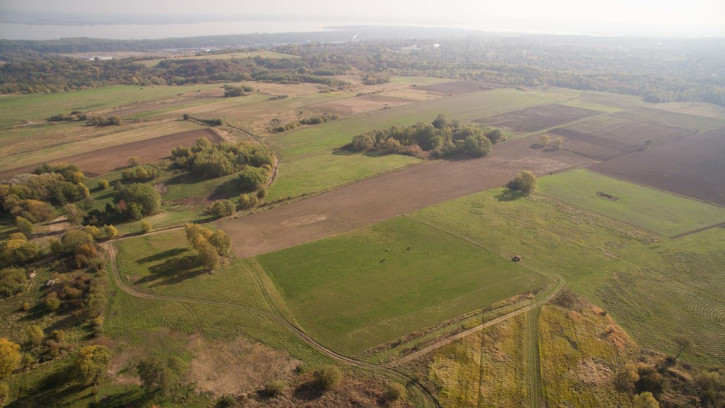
(307, 153)
(359, 290)
(634, 275)
(18, 108)
(32, 155)
(654, 210)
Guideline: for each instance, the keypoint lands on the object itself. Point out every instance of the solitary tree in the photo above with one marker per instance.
(684, 344)
(9, 357)
(91, 363)
(525, 182)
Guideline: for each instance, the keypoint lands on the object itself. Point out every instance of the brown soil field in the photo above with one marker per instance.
(595, 147)
(630, 131)
(538, 117)
(459, 87)
(692, 166)
(102, 161)
(361, 104)
(388, 195)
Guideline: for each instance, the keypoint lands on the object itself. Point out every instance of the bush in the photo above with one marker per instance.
(73, 241)
(145, 226)
(248, 201)
(274, 388)
(328, 377)
(525, 182)
(24, 226)
(394, 392)
(144, 196)
(103, 184)
(252, 178)
(17, 250)
(12, 281)
(222, 208)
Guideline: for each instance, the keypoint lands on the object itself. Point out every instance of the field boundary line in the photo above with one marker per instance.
(533, 365)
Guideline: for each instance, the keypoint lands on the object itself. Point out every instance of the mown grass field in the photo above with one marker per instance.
(372, 286)
(38, 107)
(162, 264)
(654, 287)
(657, 211)
(485, 369)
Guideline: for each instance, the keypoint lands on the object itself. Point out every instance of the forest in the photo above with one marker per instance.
(655, 70)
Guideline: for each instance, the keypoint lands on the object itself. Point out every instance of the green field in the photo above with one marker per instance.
(654, 287)
(372, 286)
(38, 107)
(309, 163)
(654, 210)
(238, 55)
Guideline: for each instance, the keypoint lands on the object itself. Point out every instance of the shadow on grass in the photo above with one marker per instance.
(174, 270)
(133, 398)
(510, 195)
(227, 189)
(308, 391)
(162, 255)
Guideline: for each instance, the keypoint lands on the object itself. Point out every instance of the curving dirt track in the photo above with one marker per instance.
(388, 195)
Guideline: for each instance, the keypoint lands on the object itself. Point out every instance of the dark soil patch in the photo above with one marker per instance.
(459, 87)
(102, 161)
(595, 147)
(607, 196)
(690, 166)
(538, 117)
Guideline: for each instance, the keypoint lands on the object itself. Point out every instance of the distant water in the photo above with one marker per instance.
(12, 31)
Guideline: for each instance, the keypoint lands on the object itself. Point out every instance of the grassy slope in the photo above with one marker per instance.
(654, 210)
(655, 290)
(362, 289)
(34, 107)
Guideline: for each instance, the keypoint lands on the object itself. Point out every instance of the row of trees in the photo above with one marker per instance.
(442, 138)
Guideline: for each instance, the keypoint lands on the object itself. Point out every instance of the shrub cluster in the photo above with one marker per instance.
(210, 245)
(208, 160)
(441, 138)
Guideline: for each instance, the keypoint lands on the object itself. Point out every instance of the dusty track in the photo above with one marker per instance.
(379, 198)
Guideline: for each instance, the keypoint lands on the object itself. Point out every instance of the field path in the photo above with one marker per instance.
(533, 366)
(549, 294)
(426, 397)
(382, 197)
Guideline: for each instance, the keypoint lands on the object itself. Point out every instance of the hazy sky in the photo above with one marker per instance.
(690, 18)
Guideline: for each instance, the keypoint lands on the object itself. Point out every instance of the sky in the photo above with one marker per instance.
(658, 18)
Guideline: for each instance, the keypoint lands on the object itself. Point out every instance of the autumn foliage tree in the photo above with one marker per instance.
(210, 245)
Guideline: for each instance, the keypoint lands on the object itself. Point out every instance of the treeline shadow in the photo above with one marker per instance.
(510, 195)
(173, 271)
